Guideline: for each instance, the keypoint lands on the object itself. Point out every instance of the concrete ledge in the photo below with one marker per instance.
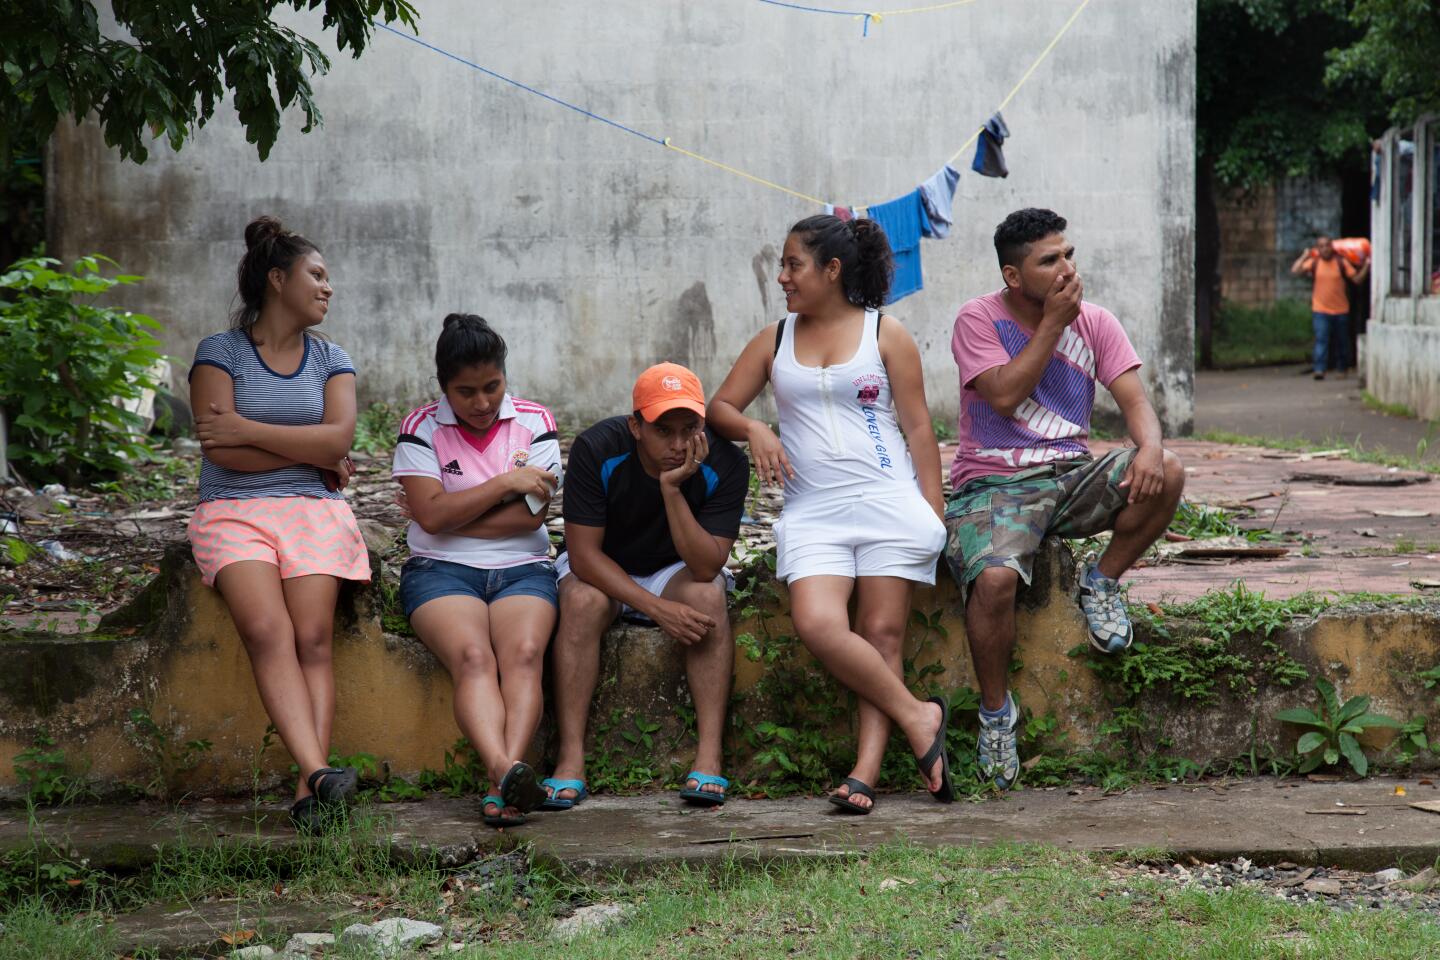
(1265, 820)
(174, 653)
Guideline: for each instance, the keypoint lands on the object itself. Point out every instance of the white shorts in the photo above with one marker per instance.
(653, 583)
(893, 537)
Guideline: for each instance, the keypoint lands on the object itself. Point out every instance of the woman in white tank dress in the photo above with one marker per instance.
(861, 469)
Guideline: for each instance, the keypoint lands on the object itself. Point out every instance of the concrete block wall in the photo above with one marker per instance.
(1263, 230)
(433, 188)
(175, 653)
(1304, 206)
(1247, 246)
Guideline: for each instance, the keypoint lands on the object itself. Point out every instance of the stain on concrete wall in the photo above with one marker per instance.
(433, 188)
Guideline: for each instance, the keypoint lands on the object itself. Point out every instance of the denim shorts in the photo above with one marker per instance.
(423, 579)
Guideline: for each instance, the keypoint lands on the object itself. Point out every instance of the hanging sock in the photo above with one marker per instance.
(938, 195)
(989, 160)
(904, 221)
(844, 213)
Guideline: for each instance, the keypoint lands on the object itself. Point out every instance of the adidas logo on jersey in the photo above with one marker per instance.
(452, 467)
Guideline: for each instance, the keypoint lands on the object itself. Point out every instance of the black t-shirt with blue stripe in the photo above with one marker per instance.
(606, 486)
(261, 394)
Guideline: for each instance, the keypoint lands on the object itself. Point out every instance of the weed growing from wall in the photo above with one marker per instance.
(43, 772)
(165, 755)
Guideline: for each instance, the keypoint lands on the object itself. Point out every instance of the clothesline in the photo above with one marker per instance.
(866, 17)
(666, 141)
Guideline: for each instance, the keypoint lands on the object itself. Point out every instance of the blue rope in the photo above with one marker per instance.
(808, 9)
(865, 17)
(517, 83)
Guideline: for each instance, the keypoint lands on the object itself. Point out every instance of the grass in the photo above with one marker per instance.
(897, 901)
(1373, 402)
(1281, 332)
(1353, 451)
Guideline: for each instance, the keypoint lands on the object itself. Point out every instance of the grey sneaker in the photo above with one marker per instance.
(999, 756)
(1110, 630)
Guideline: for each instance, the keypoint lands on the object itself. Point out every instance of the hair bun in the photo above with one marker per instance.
(261, 229)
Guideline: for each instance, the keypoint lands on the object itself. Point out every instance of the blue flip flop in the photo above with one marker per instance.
(705, 798)
(555, 802)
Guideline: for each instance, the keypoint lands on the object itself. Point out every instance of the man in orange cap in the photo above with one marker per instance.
(652, 505)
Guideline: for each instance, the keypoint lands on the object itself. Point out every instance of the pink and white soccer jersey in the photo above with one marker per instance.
(1053, 423)
(433, 444)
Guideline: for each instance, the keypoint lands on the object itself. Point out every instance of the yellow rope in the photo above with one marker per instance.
(876, 16)
(966, 146)
(1025, 76)
(741, 173)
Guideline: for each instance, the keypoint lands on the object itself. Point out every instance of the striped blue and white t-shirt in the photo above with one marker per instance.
(261, 394)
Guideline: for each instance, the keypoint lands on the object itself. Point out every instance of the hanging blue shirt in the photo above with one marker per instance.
(904, 221)
(938, 195)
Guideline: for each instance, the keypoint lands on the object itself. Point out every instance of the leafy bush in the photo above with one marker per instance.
(42, 771)
(376, 427)
(67, 365)
(1334, 728)
(1280, 332)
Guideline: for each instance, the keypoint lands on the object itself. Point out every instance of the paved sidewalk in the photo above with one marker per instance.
(1361, 826)
(1283, 402)
(1347, 527)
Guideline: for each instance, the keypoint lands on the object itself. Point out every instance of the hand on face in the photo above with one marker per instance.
(699, 449)
(1062, 300)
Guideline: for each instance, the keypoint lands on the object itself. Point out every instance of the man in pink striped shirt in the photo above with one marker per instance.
(1029, 357)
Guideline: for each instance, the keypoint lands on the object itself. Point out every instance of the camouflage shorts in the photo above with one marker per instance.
(1000, 521)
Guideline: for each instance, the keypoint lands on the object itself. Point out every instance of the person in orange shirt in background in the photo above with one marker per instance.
(1329, 304)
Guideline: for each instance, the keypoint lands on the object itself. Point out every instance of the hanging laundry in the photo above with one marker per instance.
(844, 213)
(989, 161)
(938, 195)
(904, 221)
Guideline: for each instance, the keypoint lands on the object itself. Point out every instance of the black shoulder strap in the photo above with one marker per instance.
(779, 334)
(879, 314)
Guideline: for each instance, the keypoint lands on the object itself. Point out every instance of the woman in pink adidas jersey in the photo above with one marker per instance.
(275, 414)
(479, 467)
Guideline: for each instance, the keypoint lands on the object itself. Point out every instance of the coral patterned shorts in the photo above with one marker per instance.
(300, 535)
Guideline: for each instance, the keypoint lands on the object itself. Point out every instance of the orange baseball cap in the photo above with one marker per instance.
(665, 387)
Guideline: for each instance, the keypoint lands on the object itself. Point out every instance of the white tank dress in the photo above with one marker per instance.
(854, 507)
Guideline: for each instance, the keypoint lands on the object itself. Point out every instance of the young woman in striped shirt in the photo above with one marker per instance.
(275, 415)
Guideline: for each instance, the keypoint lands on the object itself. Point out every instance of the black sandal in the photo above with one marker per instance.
(520, 789)
(946, 793)
(333, 786)
(499, 820)
(858, 788)
(307, 816)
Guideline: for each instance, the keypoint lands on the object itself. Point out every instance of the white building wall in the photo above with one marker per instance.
(1402, 342)
(433, 188)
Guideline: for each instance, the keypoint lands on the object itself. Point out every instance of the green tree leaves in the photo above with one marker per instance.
(168, 67)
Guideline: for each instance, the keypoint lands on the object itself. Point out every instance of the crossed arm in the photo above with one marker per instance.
(236, 443)
(485, 511)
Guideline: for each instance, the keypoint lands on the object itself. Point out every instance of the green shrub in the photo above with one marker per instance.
(1334, 727)
(1280, 332)
(65, 366)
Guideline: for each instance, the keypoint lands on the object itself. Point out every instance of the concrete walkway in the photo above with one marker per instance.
(1285, 403)
(1344, 526)
(1359, 826)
